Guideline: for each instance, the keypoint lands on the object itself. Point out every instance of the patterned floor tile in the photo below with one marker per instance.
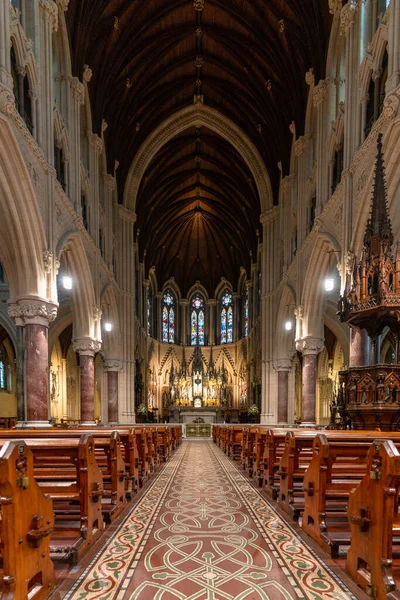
(203, 532)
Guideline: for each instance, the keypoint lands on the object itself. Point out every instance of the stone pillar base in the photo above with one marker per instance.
(34, 425)
(88, 424)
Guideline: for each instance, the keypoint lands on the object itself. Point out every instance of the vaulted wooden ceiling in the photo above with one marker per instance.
(248, 60)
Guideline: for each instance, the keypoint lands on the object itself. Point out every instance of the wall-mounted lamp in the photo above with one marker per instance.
(67, 282)
(108, 326)
(329, 284)
(288, 325)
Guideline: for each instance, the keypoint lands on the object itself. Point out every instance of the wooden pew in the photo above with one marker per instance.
(273, 451)
(164, 442)
(248, 448)
(26, 523)
(338, 465)
(295, 460)
(66, 470)
(375, 523)
(109, 457)
(234, 444)
(143, 464)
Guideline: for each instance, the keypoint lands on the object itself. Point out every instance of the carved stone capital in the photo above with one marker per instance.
(127, 214)
(283, 364)
(269, 215)
(286, 183)
(48, 258)
(110, 182)
(309, 345)
(49, 9)
(96, 142)
(86, 346)
(347, 15)
(63, 4)
(334, 5)
(32, 311)
(390, 107)
(112, 364)
(87, 73)
(310, 77)
(320, 91)
(300, 144)
(77, 89)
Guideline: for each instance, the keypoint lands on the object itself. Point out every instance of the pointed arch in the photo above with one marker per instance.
(111, 347)
(82, 293)
(22, 237)
(197, 115)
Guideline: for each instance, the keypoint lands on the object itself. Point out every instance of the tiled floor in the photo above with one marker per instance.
(202, 531)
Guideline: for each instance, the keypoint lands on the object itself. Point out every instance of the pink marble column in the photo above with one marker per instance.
(112, 367)
(112, 389)
(87, 349)
(283, 396)
(34, 315)
(86, 364)
(309, 388)
(283, 367)
(359, 347)
(37, 373)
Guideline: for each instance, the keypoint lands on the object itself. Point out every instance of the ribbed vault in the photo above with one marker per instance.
(198, 211)
(246, 60)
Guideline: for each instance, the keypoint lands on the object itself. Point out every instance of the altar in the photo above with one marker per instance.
(190, 415)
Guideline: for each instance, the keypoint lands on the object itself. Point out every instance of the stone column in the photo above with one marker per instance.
(286, 219)
(236, 316)
(310, 348)
(112, 368)
(35, 315)
(359, 347)
(212, 321)
(393, 45)
(5, 63)
(48, 23)
(283, 367)
(139, 291)
(270, 279)
(146, 286)
(96, 148)
(110, 185)
(184, 320)
(126, 280)
(158, 334)
(78, 98)
(320, 101)
(87, 349)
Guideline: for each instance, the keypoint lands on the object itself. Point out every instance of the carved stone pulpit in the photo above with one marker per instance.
(371, 301)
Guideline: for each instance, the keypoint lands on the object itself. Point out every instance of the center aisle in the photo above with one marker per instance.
(203, 532)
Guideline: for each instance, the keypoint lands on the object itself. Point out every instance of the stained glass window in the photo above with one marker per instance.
(246, 313)
(197, 320)
(227, 318)
(168, 318)
(2, 376)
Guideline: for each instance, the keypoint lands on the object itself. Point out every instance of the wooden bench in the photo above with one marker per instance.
(66, 470)
(164, 442)
(337, 466)
(274, 448)
(373, 514)
(109, 453)
(26, 523)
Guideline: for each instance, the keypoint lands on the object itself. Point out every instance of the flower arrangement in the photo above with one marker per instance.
(142, 410)
(253, 410)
